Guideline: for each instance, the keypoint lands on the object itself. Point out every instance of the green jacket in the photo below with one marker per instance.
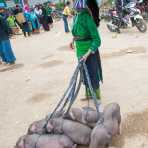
(48, 10)
(85, 27)
(11, 21)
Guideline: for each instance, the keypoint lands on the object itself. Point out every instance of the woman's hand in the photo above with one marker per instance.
(84, 58)
(71, 45)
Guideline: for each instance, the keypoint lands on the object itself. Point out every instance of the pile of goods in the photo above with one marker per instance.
(80, 126)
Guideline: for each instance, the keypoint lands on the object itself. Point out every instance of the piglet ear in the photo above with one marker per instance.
(20, 143)
(49, 127)
(31, 129)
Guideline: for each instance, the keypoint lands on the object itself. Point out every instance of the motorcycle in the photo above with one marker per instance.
(107, 15)
(131, 18)
(57, 15)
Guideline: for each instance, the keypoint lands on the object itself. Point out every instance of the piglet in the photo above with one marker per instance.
(38, 127)
(86, 115)
(77, 132)
(103, 133)
(27, 141)
(45, 141)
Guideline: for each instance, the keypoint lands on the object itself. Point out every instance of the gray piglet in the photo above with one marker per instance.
(77, 132)
(103, 133)
(45, 141)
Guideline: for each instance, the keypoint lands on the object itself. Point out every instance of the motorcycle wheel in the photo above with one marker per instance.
(141, 25)
(111, 29)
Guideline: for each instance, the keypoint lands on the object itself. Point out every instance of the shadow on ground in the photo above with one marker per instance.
(37, 98)
(52, 63)
(47, 57)
(11, 67)
(123, 52)
(64, 48)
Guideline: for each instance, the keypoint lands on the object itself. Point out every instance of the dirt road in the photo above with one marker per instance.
(30, 89)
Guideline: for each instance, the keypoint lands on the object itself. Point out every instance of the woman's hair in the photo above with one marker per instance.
(93, 6)
(67, 3)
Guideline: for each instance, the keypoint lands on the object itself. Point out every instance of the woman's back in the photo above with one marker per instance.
(4, 30)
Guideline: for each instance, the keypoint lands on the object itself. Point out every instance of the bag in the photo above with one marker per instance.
(20, 18)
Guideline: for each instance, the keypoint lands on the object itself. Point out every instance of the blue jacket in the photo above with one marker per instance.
(4, 29)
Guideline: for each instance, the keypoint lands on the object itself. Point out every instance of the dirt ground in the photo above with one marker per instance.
(30, 89)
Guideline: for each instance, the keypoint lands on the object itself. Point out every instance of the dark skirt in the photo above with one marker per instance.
(94, 67)
(6, 53)
(25, 27)
(44, 22)
(49, 19)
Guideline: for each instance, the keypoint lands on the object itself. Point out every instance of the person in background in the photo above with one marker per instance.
(21, 21)
(66, 13)
(44, 19)
(26, 8)
(49, 17)
(38, 11)
(87, 41)
(12, 24)
(119, 8)
(17, 10)
(6, 53)
(35, 22)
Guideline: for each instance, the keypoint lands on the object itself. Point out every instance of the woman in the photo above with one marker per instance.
(33, 20)
(87, 41)
(6, 53)
(44, 19)
(66, 13)
(35, 23)
(49, 17)
(12, 24)
(21, 21)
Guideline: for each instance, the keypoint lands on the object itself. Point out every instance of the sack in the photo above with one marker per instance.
(20, 18)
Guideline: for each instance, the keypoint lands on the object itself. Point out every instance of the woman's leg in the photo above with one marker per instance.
(65, 24)
(8, 55)
(95, 72)
(98, 93)
(24, 34)
(88, 94)
(2, 58)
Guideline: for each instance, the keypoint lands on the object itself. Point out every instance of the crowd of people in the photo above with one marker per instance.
(25, 20)
(85, 34)
(29, 20)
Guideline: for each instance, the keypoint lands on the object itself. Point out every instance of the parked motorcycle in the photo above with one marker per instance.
(56, 15)
(131, 17)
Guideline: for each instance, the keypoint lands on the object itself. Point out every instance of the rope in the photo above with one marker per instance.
(73, 89)
(97, 104)
(66, 92)
(75, 94)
